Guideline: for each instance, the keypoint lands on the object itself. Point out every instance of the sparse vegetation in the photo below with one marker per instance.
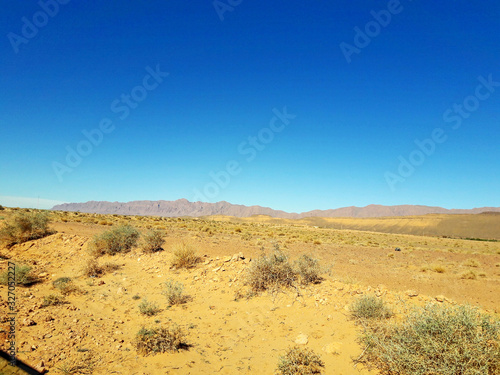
(53, 300)
(468, 275)
(471, 262)
(369, 307)
(25, 226)
(93, 269)
(159, 340)
(65, 285)
(436, 339)
(152, 241)
(271, 272)
(298, 361)
(308, 269)
(173, 291)
(23, 276)
(117, 240)
(148, 308)
(184, 256)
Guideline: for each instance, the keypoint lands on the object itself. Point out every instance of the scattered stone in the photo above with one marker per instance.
(411, 293)
(216, 269)
(302, 339)
(43, 274)
(227, 258)
(29, 322)
(440, 298)
(101, 282)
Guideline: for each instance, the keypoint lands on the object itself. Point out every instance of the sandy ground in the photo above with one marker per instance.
(225, 333)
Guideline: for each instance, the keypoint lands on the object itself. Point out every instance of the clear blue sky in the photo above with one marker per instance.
(359, 82)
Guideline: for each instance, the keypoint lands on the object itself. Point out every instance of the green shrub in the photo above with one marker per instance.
(298, 361)
(93, 269)
(153, 241)
(53, 300)
(309, 269)
(117, 240)
(25, 226)
(23, 276)
(173, 291)
(369, 307)
(65, 285)
(436, 339)
(160, 340)
(148, 308)
(184, 256)
(271, 272)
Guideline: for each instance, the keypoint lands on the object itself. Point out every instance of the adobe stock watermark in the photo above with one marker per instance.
(249, 148)
(30, 27)
(121, 107)
(453, 115)
(222, 7)
(372, 29)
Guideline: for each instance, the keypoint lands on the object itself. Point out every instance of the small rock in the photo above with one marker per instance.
(101, 282)
(227, 258)
(43, 274)
(216, 269)
(411, 293)
(29, 322)
(302, 339)
(121, 290)
(440, 298)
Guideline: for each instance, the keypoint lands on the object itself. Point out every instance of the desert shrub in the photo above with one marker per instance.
(93, 269)
(298, 361)
(468, 275)
(25, 226)
(438, 268)
(471, 262)
(53, 300)
(173, 291)
(148, 308)
(117, 240)
(436, 339)
(65, 285)
(309, 269)
(184, 256)
(159, 340)
(1, 208)
(369, 307)
(271, 272)
(23, 276)
(153, 241)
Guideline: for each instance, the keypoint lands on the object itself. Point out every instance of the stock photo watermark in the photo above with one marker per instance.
(31, 26)
(222, 7)
(249, 148)
(122, 107)
(453, 115)
(11, 296)
(363, 37)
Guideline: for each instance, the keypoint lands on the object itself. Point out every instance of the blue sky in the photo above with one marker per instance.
(296, 106)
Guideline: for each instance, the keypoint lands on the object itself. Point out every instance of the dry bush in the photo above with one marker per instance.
(298, 361)
(160, 340)
(153, 241)
(173, 291)
(438, 268)
(468, 275)
(117, 240)
(148, 308)
(83, 364)
(65, 285)
(25, 226)
(369, 307)
(471, 262)
(184, 256)
(436, 339)
(93, 269)
(271, 272)
(23, 276)
(53, 300)
(308, 269)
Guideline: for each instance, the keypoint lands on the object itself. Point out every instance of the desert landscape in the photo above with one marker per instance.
(85, 309)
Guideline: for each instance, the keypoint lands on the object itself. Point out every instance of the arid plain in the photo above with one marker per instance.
(227, 330)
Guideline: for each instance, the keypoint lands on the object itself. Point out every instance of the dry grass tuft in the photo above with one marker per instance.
(184, 256)
(299, 361)
(369, 307)
(117, 240)
(174, 293)
(308, 269)
(153, 241)
(25, 226)
(23, 276)
(160, 340)
(148, 308)
(53, 300)
(468, 275)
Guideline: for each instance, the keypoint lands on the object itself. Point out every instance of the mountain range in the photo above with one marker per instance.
(183, 207)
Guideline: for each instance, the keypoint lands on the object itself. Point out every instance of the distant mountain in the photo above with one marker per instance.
(183, 207)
